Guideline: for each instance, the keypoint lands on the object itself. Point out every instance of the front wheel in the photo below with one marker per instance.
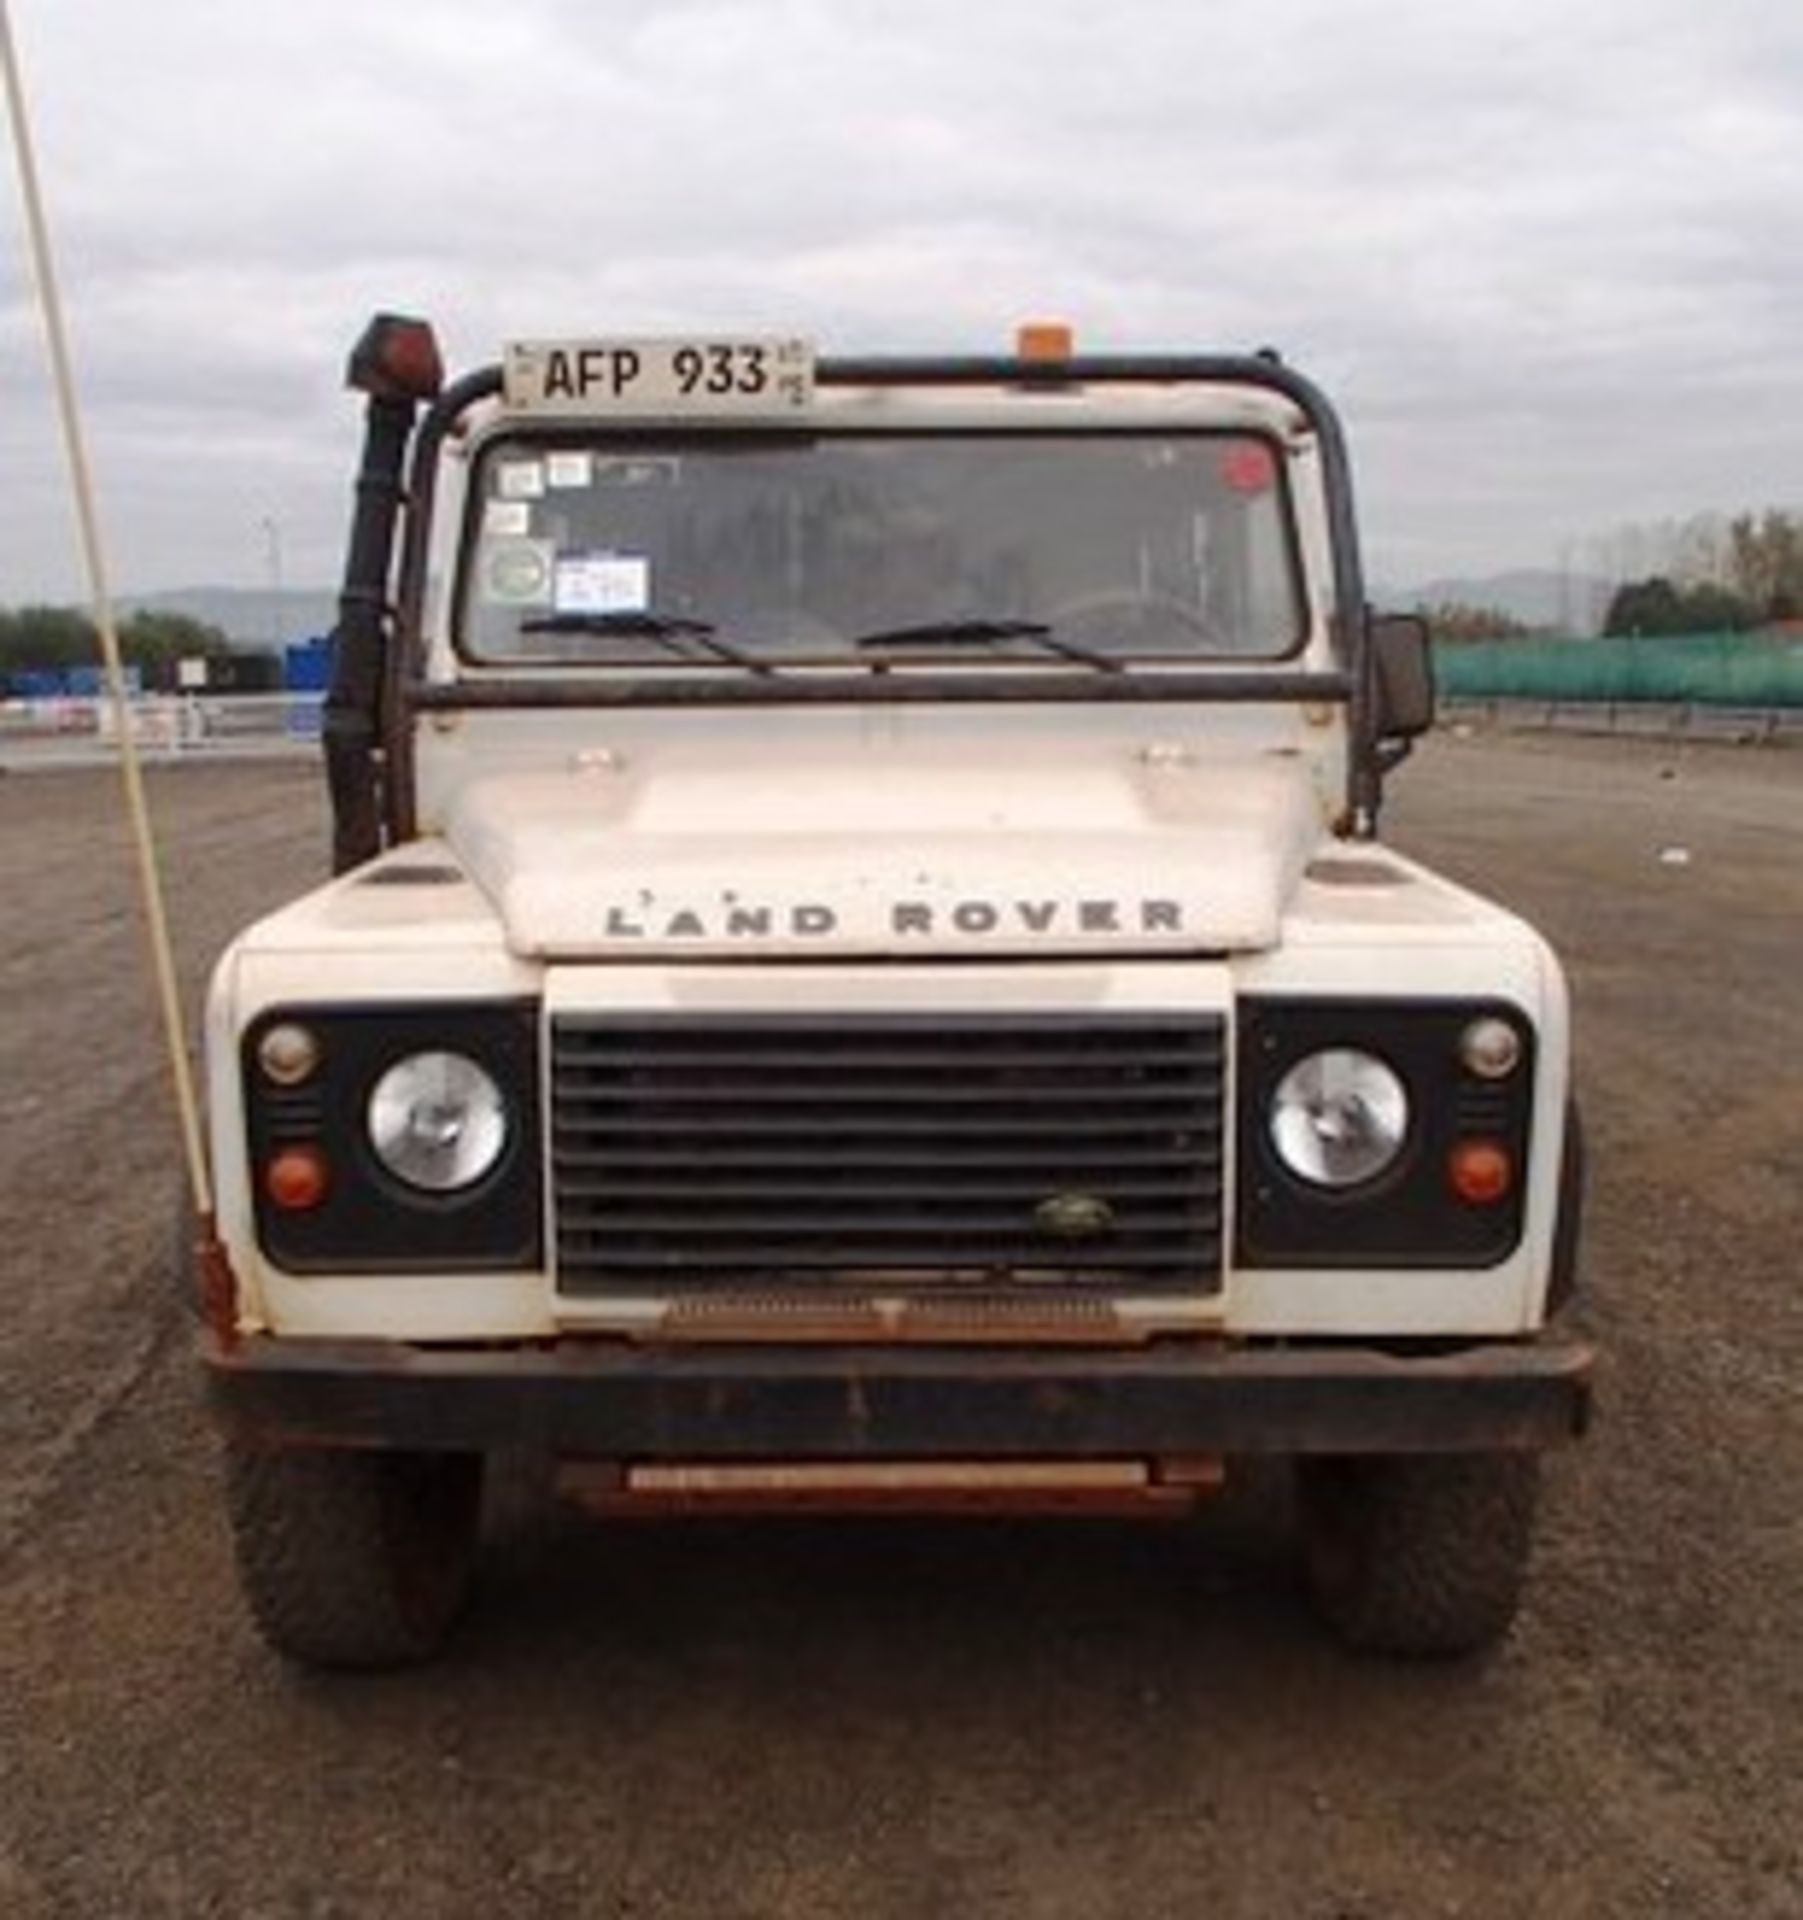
(1421, 1554)
(353, 1559)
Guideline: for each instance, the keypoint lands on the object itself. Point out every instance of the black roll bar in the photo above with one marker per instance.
(800, 688)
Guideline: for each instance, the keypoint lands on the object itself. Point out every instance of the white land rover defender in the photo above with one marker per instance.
(861, 972)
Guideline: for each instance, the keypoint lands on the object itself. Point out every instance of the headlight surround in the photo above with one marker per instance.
(437, 1121)
(1339, 1118)
(1409, 1213)
(407, 1189)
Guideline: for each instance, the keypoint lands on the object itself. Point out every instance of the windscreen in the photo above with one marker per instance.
(769, 550)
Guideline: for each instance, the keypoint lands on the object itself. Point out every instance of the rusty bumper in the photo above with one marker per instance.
(617, 1401)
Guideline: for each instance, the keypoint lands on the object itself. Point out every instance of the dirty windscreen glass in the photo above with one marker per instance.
(781, 549)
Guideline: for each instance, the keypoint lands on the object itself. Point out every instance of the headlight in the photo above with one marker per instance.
(1339, 1117)
(437, 1121)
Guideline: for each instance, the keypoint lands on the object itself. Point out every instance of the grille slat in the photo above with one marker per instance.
(937, 1151)
(835, 1099)
(579, 1069)
(957, 1190)
(951, 1225)
(876, 1126)
(828, 1051)
(1093, 1163)
(856, 1261)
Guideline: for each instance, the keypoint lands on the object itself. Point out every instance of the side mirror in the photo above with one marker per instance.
(1402, 658)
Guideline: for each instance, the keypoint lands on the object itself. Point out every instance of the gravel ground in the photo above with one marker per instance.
(914, 1718)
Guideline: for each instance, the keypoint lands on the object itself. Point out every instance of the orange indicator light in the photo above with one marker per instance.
(1480, 1172)
(296, 1179)
(1044, 340)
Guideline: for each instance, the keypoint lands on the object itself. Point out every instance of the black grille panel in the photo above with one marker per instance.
(912, 1151)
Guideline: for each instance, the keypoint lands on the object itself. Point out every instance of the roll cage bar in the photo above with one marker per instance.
(378, 685)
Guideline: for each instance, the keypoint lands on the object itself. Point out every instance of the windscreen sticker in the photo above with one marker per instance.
(507, 516)
(520, 479)
(569, 469)
(517, 573)
(1247, 467)
(655, 470)
(603, 583)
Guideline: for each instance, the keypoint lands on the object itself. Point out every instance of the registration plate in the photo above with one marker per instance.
(699, 375)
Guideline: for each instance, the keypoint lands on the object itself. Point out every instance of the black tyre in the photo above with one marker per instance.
(1421, 1554)
(353, 1559)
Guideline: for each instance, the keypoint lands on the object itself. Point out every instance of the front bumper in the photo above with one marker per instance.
(622, 1402)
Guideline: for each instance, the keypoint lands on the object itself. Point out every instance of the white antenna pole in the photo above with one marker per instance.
(149, 881)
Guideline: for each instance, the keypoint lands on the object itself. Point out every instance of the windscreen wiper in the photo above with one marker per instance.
(668, 629)
(979, 633)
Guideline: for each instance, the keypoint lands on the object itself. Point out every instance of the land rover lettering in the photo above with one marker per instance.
(975, 919)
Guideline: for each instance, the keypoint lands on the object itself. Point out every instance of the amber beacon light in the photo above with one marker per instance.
(1044, 341)
(396, 359)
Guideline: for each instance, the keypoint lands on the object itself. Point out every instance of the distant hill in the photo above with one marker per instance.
(1539, 597)
(1536, 596)
(248, 616)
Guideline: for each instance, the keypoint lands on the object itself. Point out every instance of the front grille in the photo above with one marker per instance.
(920, 1152)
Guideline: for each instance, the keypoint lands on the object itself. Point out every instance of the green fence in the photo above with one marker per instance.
(1709, 669)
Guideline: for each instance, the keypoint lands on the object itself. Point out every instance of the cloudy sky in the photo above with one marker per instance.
(1546, 254)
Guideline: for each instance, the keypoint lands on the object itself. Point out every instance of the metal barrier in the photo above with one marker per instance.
(1649, 719)
(165, 727)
